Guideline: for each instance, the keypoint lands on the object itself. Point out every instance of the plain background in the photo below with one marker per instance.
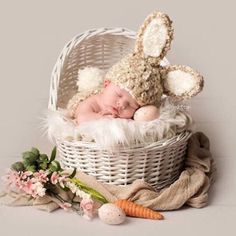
(33, 33)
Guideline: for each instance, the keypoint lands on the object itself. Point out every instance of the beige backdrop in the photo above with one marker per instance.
(33, 33)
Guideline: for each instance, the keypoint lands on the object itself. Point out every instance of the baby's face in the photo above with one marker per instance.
(119, 100)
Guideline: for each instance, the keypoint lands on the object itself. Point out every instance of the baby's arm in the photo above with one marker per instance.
(86, 112)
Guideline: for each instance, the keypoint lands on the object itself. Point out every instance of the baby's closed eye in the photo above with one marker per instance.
(118, 94)
(132, 106)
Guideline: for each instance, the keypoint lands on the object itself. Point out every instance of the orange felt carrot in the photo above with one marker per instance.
(133, 209)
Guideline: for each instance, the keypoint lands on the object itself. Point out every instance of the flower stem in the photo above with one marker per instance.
(62, 200)
(95, 194)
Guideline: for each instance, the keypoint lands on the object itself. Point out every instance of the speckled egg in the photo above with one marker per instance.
(147, 113)
(111, 214)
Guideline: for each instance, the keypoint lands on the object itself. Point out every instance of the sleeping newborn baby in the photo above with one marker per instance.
(113, 102)
(139, 78)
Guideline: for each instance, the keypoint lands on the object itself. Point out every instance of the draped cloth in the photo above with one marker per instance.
(191, 188)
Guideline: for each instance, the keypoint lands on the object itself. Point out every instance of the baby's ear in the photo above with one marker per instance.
(181, 82)
(106, 82)
(154, 37)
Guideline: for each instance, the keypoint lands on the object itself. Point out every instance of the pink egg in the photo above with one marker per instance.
(147, 113)
(111, 214)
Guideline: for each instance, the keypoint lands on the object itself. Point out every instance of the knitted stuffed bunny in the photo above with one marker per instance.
(141, 73)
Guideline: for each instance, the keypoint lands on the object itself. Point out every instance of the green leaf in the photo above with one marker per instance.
(29, 162)
(28, 155)
(31, 168)
(43, 158)
(18, 166)
(72, 175)
(35, 151)
(43, 165)
(55, 166)
(29, 158)
(26, 163)
(53, 154)
(95, 194)
(52, 167)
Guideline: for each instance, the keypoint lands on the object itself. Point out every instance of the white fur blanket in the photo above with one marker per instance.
(112, 132)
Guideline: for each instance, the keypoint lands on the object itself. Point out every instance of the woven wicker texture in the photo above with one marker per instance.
(158, 163)
(100, 48)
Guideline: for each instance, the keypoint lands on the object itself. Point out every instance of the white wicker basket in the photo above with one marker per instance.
(158, 164)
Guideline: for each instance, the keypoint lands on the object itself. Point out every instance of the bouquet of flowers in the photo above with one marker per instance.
(41, 177)
(38, 176)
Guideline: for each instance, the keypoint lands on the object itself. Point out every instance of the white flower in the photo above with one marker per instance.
(62, 181)
(39, 189)
(82, 194)
(74, 189)
(71, 186)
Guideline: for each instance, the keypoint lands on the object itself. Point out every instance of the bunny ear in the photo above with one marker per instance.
(154, 36)
(181, 82)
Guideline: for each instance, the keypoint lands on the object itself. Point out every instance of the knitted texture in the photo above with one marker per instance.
(139, 78)
(141, 74)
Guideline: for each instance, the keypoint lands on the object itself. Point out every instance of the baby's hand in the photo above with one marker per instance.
(108, 113)
(110, 116)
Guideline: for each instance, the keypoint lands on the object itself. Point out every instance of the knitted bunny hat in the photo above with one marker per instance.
(140, 72)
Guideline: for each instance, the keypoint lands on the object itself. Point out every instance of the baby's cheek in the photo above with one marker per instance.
(127, 113)
(110, 98)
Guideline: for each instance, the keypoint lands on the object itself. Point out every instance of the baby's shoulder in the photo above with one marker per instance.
(90, 103)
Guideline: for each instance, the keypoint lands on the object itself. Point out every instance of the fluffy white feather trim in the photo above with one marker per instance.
(55, 124)
(111, 133)
(90, 78)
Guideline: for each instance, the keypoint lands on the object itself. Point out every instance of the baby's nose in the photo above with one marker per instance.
(122, 104)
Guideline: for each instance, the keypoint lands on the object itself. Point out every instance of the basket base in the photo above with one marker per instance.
(158, 164)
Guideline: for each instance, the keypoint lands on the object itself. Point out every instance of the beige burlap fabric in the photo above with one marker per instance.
(190, 188)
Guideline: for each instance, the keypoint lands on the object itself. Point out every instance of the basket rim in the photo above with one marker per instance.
(163, 143)
(107, 30)
(78, 38)
(104, 30)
